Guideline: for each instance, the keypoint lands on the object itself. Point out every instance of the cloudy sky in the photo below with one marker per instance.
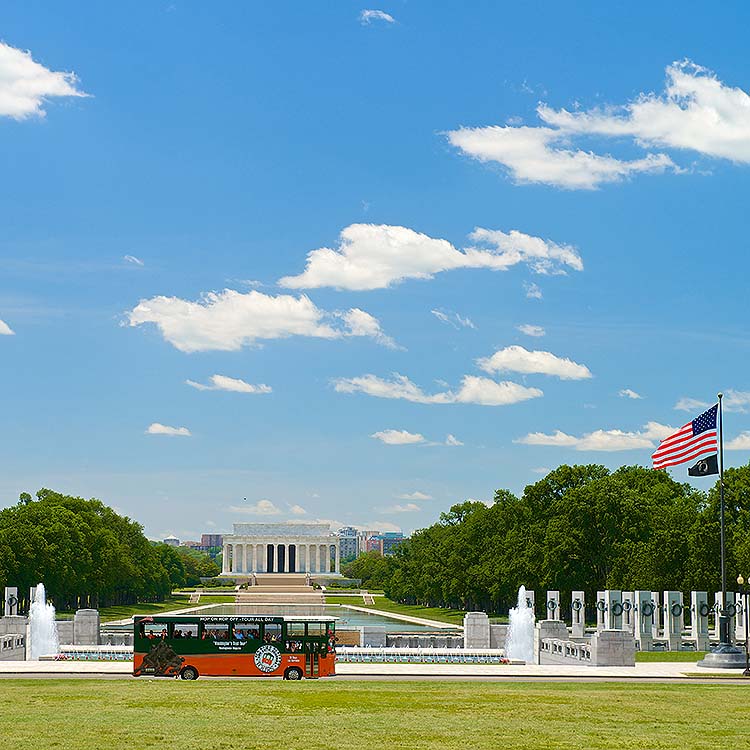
(330, 261)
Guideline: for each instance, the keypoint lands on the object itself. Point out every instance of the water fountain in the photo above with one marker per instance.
(43, 640)
(520, 640)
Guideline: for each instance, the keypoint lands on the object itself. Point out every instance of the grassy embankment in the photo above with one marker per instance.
(441, 614)
(121, 611)
(223, 714)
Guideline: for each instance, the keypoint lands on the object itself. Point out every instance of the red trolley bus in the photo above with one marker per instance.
(234, 645)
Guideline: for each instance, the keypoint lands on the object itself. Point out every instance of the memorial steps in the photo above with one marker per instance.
(281, 588)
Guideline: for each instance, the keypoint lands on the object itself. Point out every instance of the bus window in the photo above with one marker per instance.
(316, 629)
(295, 629)
(185, 630)
(216, 631)
(246, 631)
(153, 630)
(272, 632)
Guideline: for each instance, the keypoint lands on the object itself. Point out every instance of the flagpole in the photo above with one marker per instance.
(724, 620)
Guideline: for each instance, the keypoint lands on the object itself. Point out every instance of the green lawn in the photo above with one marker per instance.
(223, 714)
(173, 602)
(669, 655)
(441, 614)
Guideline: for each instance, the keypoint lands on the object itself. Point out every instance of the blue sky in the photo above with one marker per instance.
(476, 173)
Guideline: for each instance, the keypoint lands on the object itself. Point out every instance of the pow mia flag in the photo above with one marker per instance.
(704, 467)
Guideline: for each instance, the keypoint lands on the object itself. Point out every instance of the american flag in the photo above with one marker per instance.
(696, 438)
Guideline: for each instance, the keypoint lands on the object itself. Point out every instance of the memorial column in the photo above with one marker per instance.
(225, 558)
(338, 560)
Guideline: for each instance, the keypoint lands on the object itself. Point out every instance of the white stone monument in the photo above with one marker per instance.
(628, 612)
(578, 614)
(673, 619)
(531, 600)
(10, 607)
(656, 619)
(643, 619)
(614, 609)
(553, 605)
(699, 610)
(601, 611)
(739, 618)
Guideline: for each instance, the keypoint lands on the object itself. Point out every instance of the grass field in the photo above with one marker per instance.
(173, 602)
(453, 616)
(218, 714)
(692, 656)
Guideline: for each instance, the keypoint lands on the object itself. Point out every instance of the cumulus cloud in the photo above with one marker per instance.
(518, 359)
(601, 440)
(417, 495)
(229, 320)
(297, 510)
(452, 441)
(541, 470)
(473, 390)
(691, 404)
(407, 508)
(133, 260)
(740, 443)
(25, 85)
(261, 508)
(371, 256)
(157, 428)
(532, 290)
(629, 393)
(734, 400)
(5, 329)
(225, 383)
(531, 330)
(453, 319)
(398, 437)
(696, 112)
(367, 17)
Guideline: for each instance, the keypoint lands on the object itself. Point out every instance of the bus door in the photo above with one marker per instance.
(314, 645)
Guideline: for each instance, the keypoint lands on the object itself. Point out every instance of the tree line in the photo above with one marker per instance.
(580, 528)
(87, 555)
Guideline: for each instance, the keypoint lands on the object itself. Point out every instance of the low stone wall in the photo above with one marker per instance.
(605, 648)
(12, 647)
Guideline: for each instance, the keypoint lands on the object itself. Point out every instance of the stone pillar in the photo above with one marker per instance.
(731, 605)
(325, 558)
(553, 606)
(739, 618)
(10, 608)
(601, 611)
(643, 619)
(578, 616)
(673, 619)
(272, 567)
(253, 555)
(286, 558)
(86, 627)
(699, 620)
(656, 620)
(547, 629)
(337, 566)
(628, 613)
(476, 630)
(531, 601)
(614, 609)
(225, 558)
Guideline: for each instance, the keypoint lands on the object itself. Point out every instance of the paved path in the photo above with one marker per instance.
(641, 672)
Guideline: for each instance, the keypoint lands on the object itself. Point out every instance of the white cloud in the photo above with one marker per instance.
(415, 496)
(532, 290)
(261, 508)
(539, 155)
(452, 440)
(740, 443)
(229, 320)
(531, 330)
(225, 383)
(518, 359)
(371, 256)
(398, 437)
(691, 404)
(5, 329)
(298, 510)
(473, 390)
(366, 17)
(629, 393)
(162, 429)
(541, 470)
(408, 508)
(736, 400)
(25, 85)
(601, 440)
(453, 319)
(132, 259)
(696, 112)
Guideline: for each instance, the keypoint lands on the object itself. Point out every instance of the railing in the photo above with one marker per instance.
(357, 655)
(565, 650)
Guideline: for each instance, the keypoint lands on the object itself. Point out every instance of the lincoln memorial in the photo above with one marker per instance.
(280, 548)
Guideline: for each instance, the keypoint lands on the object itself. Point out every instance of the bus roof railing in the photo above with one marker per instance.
(264, 618)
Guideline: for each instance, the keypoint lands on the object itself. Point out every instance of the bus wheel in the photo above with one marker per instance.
(293, 674)
(189, 673)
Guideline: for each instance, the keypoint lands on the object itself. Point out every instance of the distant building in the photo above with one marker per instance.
(191, 545)
(347, 542)
(211, 540)
(172, 541)
(363, 537)
(389, 541)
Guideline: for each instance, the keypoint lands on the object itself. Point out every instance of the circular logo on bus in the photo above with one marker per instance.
(267, 658)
